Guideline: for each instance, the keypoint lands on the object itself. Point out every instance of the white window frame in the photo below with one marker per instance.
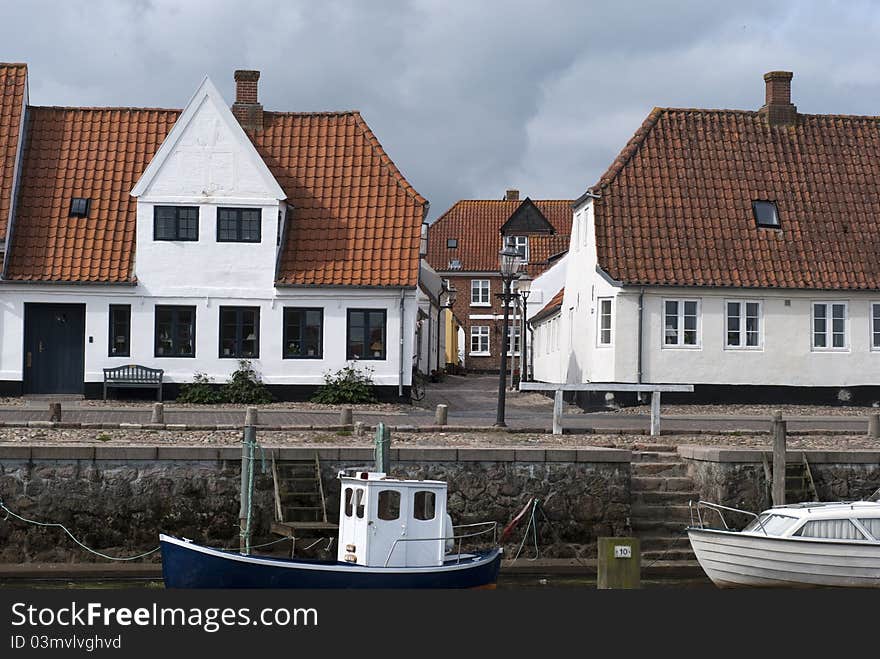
(515, 241)
(874, 331)
(487, 335)
(829, 335)
(516, 331)
(476, 285)
(742, 302)
(680, 327)
(599, 317)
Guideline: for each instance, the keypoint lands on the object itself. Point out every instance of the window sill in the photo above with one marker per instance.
(484, 305)
(815, 349)
(479, 354)
(302, 357)
(679, 347)
(745, 348)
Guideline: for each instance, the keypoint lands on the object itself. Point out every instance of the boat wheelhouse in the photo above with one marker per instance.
(833, 544)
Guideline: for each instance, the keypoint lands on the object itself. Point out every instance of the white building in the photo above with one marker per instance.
(187, 240)
(738, 251)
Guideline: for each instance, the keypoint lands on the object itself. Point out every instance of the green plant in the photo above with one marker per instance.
(347, 385)
(244, 386)
(200, 391)
(103, 437)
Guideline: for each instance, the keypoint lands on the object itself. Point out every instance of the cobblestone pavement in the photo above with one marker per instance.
(472, 402)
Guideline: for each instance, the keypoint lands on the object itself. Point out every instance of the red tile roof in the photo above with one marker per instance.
(93, 153)
(554, 305)
(676, 205)
(356, 220)
(13, 86)
(475, 224)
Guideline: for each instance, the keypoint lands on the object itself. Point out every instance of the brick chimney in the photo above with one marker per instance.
(511, 195)
(777, 107)
(246, 108)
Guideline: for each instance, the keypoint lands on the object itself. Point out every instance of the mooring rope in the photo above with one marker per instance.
(73, 537)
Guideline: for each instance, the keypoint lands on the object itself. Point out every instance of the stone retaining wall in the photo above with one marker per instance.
(736, 478)
(117, 499)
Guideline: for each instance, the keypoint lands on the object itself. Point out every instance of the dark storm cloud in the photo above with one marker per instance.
(469, 98)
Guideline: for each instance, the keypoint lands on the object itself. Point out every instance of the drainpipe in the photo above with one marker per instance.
(641, 331)
(400, 374)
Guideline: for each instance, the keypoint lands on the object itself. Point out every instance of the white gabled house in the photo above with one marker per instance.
(188, 240)
(738, 251)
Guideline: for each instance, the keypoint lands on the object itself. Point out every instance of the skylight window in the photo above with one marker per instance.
(451, 243)
(766, 214)
(79, 207)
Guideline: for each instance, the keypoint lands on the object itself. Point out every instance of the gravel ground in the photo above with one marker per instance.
(386, 408)
(37, 436)
(750, 410)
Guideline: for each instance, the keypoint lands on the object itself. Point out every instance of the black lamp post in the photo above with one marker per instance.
(524, 285)
(509, 260)
(446, 300)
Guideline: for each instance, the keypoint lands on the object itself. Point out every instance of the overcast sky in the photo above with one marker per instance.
(469, 98)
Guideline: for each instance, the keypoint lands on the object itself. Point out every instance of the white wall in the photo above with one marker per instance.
(546, 285)
(548, 355)
(273, 368)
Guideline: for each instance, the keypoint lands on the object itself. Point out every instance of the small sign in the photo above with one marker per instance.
(623, 551)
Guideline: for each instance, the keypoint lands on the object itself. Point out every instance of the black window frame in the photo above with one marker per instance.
(239, 339)
(366, 312)
(764, 225)
(113, 330)
(177, 219)
(239, 219)
(175, 310)
(451, 243)
(84, 211)
(302, 325)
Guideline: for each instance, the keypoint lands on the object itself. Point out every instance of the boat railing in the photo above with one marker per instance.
(718, 508)
(490, 527)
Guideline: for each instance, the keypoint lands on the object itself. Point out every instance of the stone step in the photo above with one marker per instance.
(662, 448)
(659, 469)
(668, 555)
(656, 498)
(643, 511)
(661, 484)
(652, 542)
(655, 456)
(643, 527)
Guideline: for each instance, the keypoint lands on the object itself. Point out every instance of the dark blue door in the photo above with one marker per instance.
(54, 348)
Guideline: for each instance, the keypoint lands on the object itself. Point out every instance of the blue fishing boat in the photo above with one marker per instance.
(393, 533)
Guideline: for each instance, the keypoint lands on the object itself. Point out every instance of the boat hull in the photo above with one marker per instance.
(734, 560)
(188, 565)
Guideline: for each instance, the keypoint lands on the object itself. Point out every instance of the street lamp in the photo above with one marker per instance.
(524, 285)
(446, 300)
(509, 261)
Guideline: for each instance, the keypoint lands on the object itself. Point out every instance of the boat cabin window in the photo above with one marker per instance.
(359, 502)
(389, 504)
(348, 496)
(832, 529)
(424, 505)
(771, 524)
(873, 526)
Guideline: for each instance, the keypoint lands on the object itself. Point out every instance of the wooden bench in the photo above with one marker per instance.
(559, 388)
(134, 376)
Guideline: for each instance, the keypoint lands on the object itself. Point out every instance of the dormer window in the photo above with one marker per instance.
(451, 243)
(79, 207)
(521, 245)
(766, 215)
(455, 264)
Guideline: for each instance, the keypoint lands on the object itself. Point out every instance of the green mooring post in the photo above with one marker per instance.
(620, 563)
(383, 448)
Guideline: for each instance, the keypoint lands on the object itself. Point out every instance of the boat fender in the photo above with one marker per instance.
(448, 533)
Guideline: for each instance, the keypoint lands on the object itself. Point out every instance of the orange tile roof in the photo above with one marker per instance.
(475, 224)
(356, 221)
(93, 153)
(13, 85)
(676, 205)
(554, 305)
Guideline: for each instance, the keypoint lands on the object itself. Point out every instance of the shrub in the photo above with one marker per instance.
(244, 386)
(201, 391)
(347, 385)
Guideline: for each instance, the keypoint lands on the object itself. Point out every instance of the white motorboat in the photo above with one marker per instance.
(800, 545)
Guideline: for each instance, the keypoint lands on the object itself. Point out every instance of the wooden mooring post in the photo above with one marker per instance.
(874, 426)
(55, 412)
(383, 448)
(778, 431)
(245, 511)
(557, 412)
(620, 563)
